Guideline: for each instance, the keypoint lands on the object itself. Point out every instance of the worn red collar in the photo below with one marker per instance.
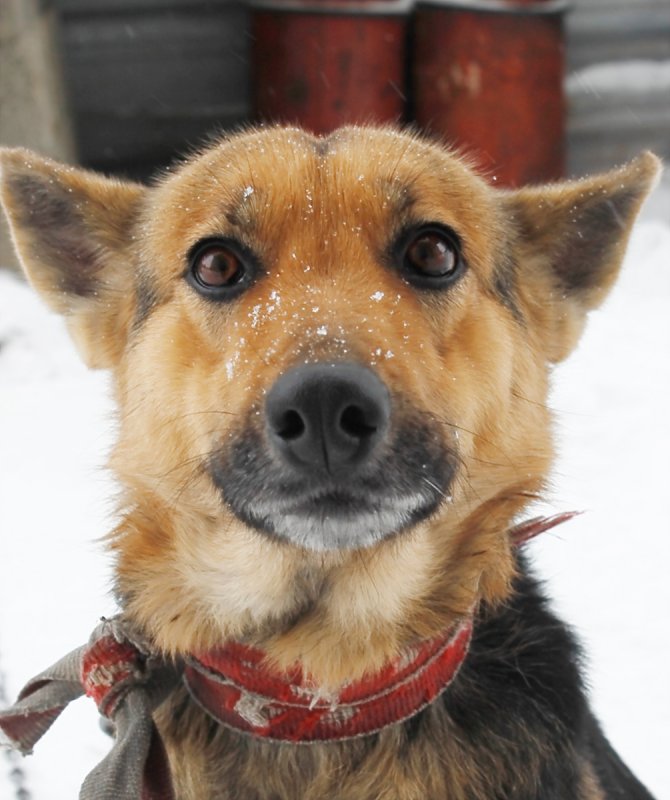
(233, 685)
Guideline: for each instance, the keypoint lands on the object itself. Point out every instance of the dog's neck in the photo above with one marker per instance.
(238, 686)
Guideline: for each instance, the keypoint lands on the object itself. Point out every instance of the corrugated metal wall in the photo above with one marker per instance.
(617, 30)
(618, 82)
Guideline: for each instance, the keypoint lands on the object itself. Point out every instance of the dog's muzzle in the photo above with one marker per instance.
(336, 464)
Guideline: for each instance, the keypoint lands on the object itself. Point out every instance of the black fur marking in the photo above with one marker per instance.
(504, 287)
(617, 780)
(59, 236)
(241, 216)
(322, 146)
(402, 199)
(234, 218)
(585, 249)
(147, 299)
(413, 728)
(519, 700)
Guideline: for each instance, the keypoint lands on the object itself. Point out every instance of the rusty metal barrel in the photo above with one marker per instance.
(488, 78)
(325, 64)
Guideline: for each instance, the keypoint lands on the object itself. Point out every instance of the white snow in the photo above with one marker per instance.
(55, 428)
(607, 569)
(622, 76)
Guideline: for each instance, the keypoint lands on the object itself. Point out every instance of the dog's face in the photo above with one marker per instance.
(331, 360)
(307, 280)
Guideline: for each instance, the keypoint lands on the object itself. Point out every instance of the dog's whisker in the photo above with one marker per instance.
(537, 403)
(216, 411)
(474, 434)
(434, 486)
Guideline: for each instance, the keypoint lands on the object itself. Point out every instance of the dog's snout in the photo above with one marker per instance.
(328, 416)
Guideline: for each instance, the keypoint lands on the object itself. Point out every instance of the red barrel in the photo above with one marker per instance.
(324, 64)
(488, 77)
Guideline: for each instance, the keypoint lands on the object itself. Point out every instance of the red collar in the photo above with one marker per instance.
(234, 687)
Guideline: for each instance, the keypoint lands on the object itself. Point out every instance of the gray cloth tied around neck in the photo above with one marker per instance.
(136, 767)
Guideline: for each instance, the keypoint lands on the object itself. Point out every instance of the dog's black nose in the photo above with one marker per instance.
(327, 416)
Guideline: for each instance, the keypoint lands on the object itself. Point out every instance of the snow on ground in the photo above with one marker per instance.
(607, 570)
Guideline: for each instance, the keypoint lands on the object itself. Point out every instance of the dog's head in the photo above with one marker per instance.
(331, 359)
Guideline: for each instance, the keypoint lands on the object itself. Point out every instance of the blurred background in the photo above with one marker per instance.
(534, 89)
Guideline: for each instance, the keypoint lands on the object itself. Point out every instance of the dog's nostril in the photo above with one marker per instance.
(292, 426)
(354, 422)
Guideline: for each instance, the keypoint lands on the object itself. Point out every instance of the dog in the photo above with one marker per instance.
(330, 357)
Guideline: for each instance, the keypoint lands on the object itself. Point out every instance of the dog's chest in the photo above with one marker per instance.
(209, 762)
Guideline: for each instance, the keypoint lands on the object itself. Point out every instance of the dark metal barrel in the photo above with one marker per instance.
(148, 78)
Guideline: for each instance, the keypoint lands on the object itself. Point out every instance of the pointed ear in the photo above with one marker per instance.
(72, 231)
(571, 241)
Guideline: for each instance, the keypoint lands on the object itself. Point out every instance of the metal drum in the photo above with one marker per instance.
(488, 77)
(324, 64)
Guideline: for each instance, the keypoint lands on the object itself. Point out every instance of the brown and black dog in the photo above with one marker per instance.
(331, 358)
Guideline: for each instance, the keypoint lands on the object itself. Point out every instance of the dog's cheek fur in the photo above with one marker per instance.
(504, 435)
(189, 583)
(175, 531)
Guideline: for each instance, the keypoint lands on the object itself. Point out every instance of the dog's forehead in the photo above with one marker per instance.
(265, 182)
(274, 154)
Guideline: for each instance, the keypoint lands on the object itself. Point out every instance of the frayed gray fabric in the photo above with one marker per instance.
(129, 768)
(41, 702)
(117, 669)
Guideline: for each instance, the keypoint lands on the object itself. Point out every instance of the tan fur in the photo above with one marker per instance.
(189, 373)
(590, 785)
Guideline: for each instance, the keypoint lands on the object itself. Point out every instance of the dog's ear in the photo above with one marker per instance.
(72, 230)
(571, 241)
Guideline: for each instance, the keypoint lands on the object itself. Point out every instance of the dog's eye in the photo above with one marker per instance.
(216, 267)
(220, 270)
(431, 257)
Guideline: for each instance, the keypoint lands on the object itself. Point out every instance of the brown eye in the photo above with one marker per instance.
(432, 254)
(431, 257)
(217, 267)
(221, 269)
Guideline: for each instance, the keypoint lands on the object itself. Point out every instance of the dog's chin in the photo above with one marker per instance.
(337, 521)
